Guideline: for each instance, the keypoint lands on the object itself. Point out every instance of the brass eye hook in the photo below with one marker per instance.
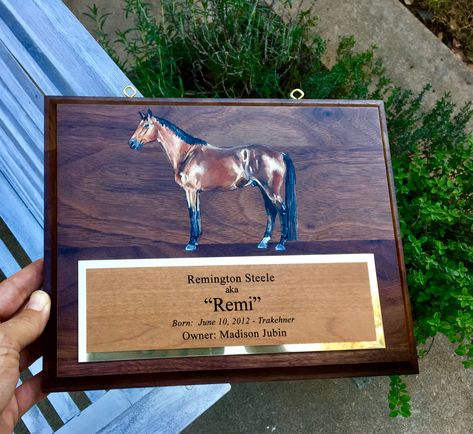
(129, 91)
(300, 93)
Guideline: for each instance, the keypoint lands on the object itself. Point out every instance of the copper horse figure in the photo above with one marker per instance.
(198, 166)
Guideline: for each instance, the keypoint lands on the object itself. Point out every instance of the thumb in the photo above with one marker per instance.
(26, 326)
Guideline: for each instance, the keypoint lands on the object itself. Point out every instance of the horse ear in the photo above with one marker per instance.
(142, 115)
(149, 113)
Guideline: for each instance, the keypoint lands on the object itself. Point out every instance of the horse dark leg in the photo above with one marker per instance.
(271, 212)
(199, 223)
(283, 215)
(194, 231)
(194, 218)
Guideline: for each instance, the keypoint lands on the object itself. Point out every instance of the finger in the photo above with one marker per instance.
(9, 374)
(31, 353)
(26, 326)
(29, 393)
(16, 289)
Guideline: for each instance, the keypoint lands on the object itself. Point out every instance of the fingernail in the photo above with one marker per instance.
(38, 301)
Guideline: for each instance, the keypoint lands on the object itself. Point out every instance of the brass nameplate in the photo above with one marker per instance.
(181, 307)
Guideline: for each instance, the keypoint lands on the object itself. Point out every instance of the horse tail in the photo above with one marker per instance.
(291, 202)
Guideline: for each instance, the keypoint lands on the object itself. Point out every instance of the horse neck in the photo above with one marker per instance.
(175, 148)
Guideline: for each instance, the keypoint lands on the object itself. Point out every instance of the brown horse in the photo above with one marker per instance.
(199, 166)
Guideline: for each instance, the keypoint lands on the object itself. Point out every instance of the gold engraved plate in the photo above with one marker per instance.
(183, 307)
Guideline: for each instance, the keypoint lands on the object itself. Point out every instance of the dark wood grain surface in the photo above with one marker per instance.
(111, 202)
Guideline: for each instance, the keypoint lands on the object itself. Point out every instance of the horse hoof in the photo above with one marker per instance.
(263, 244)
(280, 247)
(191, 247)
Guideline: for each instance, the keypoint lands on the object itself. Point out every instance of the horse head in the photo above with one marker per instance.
(146, 131)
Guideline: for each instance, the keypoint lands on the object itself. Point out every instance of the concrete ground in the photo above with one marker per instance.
(443, 391)
(442, 396)
(412, 55)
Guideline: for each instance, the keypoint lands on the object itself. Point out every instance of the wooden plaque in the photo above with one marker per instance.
(200, 241)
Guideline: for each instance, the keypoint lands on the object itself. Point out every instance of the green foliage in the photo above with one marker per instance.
(353, 76)
(236, 48)
(216, 48)
(240, 48)
(398, 398)
(249, 48)
(435, 200)
(411, 127)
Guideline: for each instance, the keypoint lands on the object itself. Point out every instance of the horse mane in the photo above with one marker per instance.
(191, 140)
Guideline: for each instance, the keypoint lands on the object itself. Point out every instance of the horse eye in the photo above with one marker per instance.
(146, 125)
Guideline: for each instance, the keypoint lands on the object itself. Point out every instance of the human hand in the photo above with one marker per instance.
(24, 312)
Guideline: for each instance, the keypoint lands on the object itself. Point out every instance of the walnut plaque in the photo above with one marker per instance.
(196, 241)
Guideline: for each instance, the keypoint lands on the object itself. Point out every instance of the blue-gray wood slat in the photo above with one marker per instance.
(62, 402)
(93, 395)
(163, 410)
(96, 416)
(8, 263)
(135, 394)
(61, 57)
(156, 413)
(44, 50)
(34, 420)
(20, 221)
(21, 126)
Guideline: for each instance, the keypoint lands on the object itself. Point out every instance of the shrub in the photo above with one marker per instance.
(435, 199)
(235, 48)
(242, 48)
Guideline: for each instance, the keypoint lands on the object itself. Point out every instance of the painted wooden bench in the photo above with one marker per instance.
(44, 50)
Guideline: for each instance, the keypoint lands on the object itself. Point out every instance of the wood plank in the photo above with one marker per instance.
(21, 125)
(8, 264)
(65, 59)
(13, 166)
(20, 220)
(96, 416)
(62, 402)
(135, 394)
(34, 419)
(37, 366)
(36, 422)
(64, 405)
(15, 248)
(19, 83)
(26, 55)
(167, 410)
(94, 395)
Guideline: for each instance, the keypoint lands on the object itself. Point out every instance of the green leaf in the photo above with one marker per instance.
(405, 407)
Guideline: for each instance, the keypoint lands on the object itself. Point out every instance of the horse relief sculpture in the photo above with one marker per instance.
(199, 166)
